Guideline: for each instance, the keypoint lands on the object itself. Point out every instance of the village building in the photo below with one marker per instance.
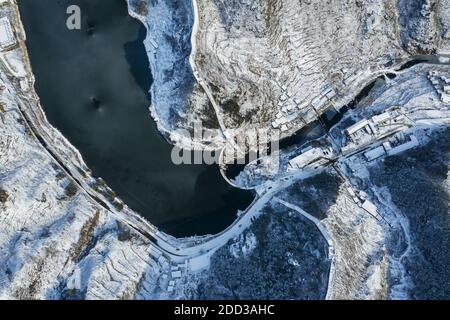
(382, 118)
(319, 102)
(309, 156)
(357, 127)
(387, 146)
(375, 153)
(404, 147)
(445, 96)
(153, 43)
(309, 115)
(370, 208)
(154, 252)
(7, 38)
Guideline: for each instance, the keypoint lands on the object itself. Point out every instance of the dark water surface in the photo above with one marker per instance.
(93, 86)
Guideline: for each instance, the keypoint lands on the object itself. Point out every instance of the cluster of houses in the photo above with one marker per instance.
(162, 263)
(321, 103)
(176, 273)
(288, 107)
(158, 256)
(293, 109)
(442, 85)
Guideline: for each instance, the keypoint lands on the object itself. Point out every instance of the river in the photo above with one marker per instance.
(93, 84)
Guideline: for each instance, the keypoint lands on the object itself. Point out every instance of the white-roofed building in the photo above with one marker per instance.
(307, 157)
(404, 147)
(319, 102)
(387, 146)
(357, 127)
(7, 38)
(309, 115)
(382, 118)
(445, 98)
(330, 93)
(375, 153)
(153, 43)
(370, 208)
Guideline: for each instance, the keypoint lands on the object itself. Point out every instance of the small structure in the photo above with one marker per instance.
(7, 38)
(442, 86)
(176, 274)
(445, 96)
(153, 43)
(319, 102)
(309, 155)
(353, 194)
(309, 115)
(382, 118)
(282, 120)
(375, 153)
(330, 93)
(370, 208)
(162, 261)
(357, 127)
(405, 146)
(154, 252)
(387, 146)
(352, 77)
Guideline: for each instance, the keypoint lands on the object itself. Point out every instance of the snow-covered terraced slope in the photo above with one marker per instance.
(55, 241)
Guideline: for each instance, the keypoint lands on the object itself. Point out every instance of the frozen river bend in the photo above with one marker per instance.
(64, 237)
